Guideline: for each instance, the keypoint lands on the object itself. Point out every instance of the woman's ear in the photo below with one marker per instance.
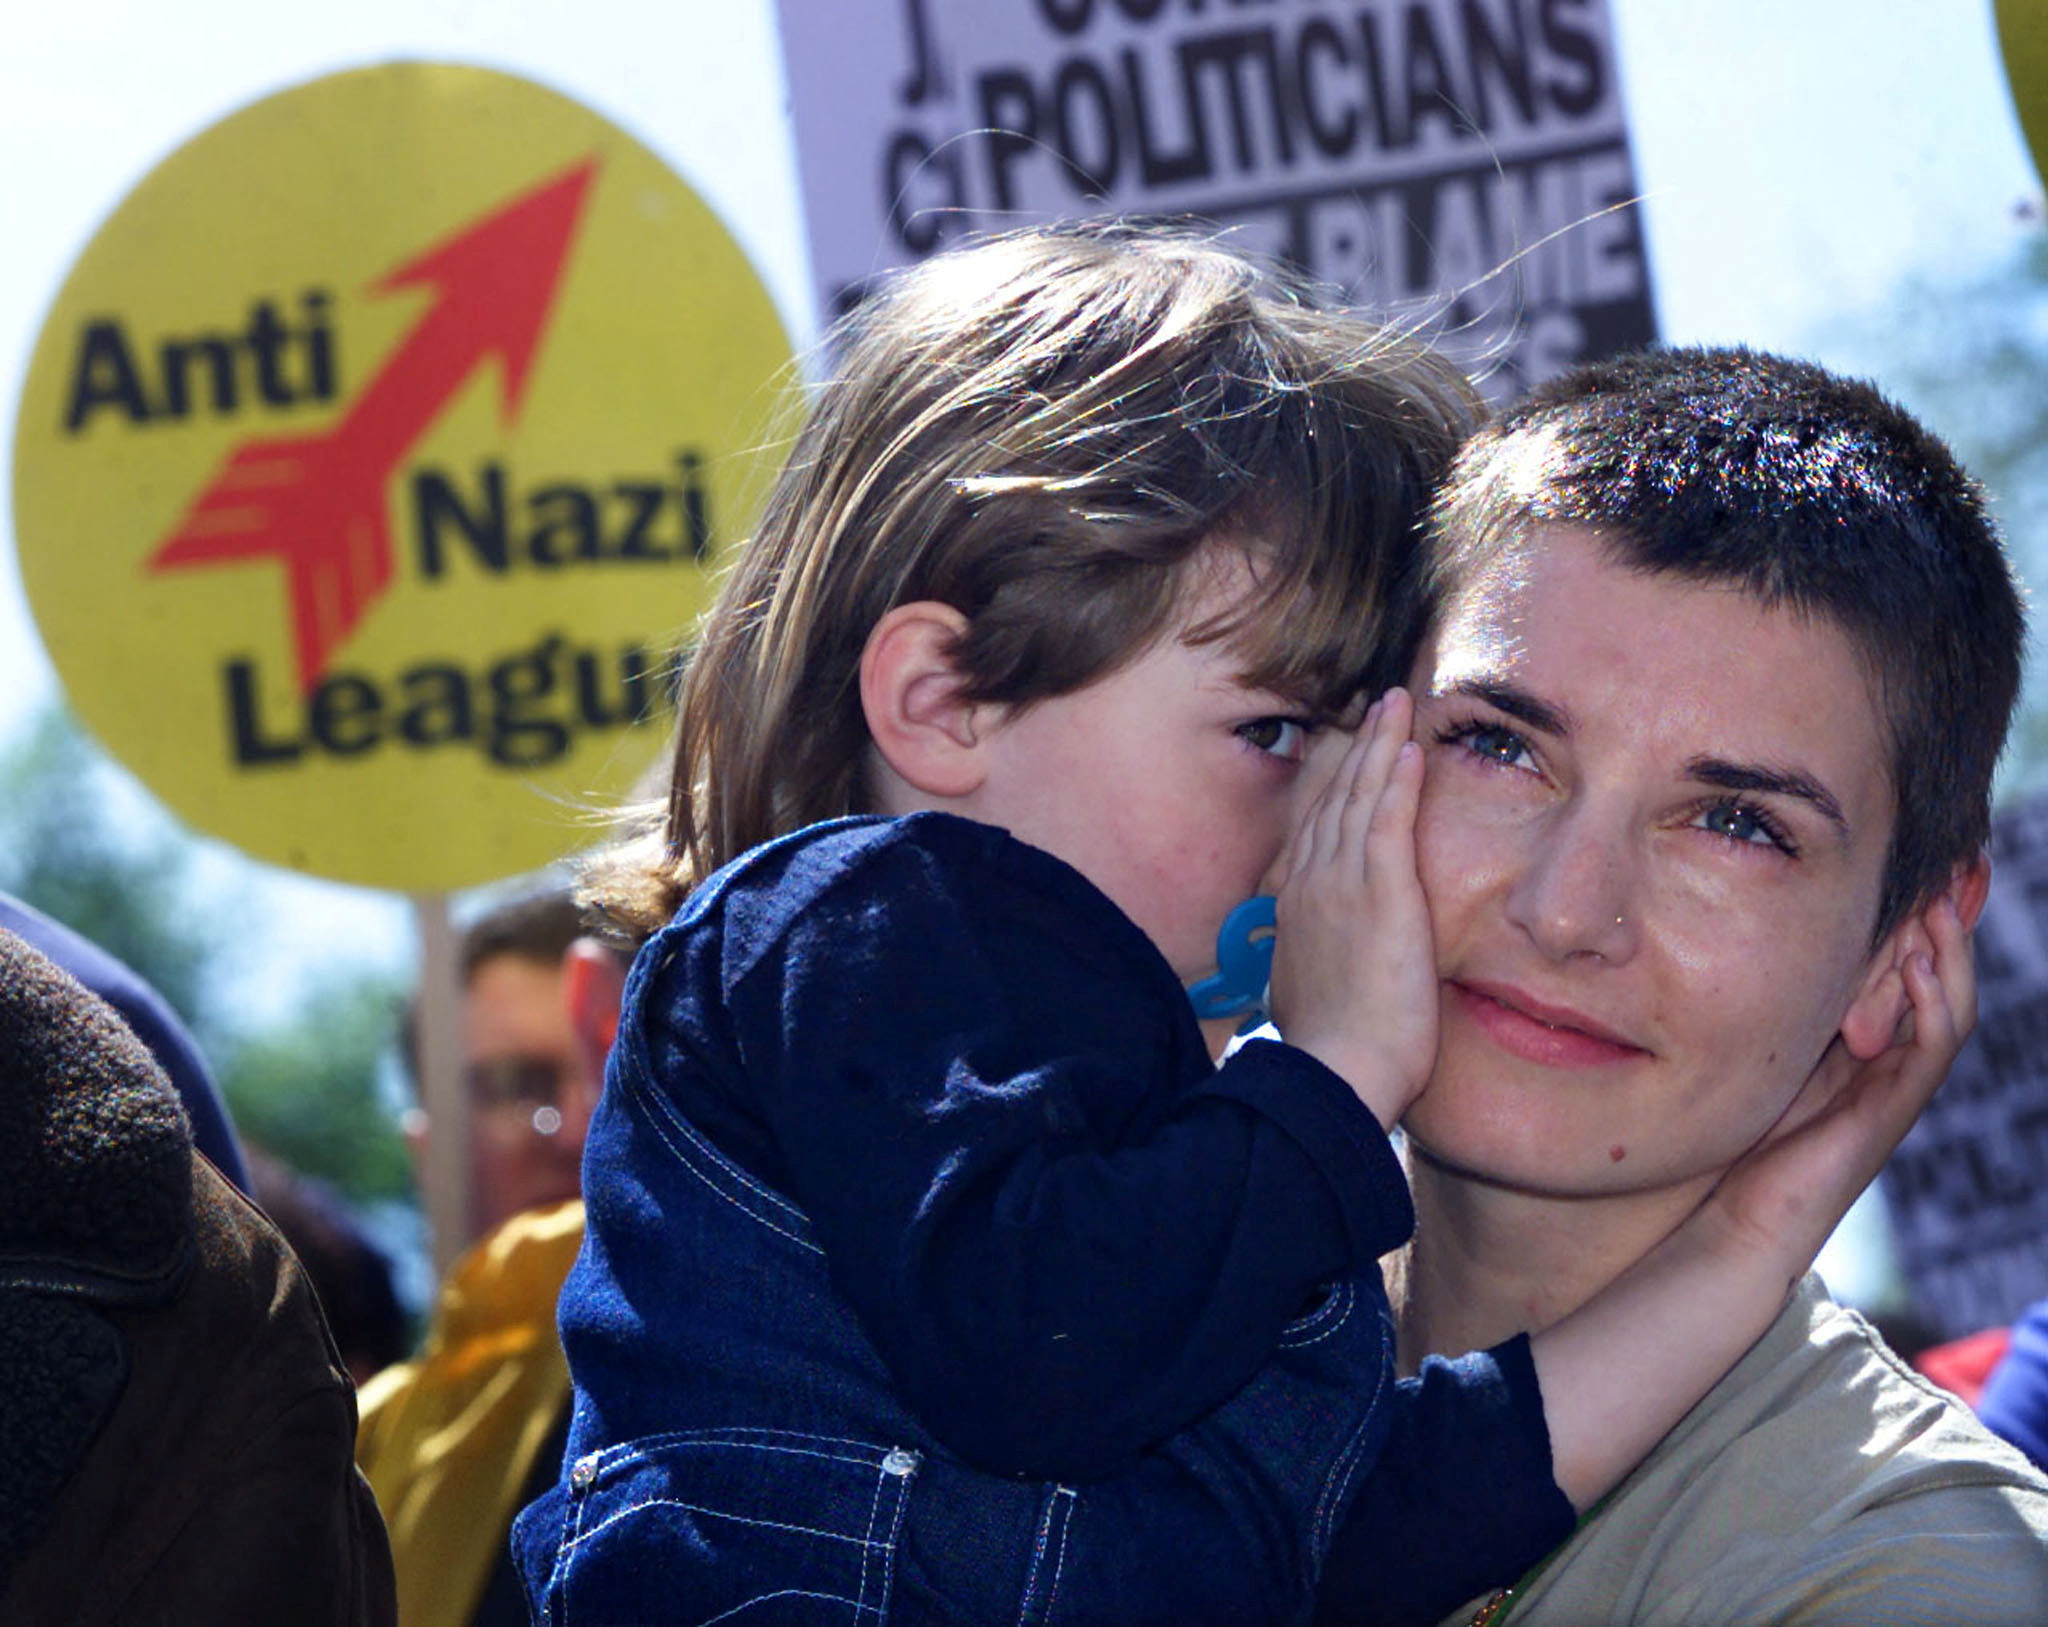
(925, 732)
(1871, 1025)
(1970, 886)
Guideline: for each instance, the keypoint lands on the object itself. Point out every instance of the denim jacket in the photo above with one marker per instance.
(819, 1329)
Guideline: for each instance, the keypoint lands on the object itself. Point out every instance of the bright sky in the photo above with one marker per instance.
(1796, 158)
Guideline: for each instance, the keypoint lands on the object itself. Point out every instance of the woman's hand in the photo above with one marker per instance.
(1354, 969)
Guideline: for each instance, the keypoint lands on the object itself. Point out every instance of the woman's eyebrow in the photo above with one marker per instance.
(1787, 782)
(1505, 695)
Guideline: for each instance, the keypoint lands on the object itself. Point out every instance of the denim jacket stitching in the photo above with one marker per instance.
(887, 1548)
(1038, 1605)
(637, 1074)
(859, 1609)
(558, 1580)
(867, 1549)
(809, 1531)
(1327, 1319)
(862, 1454)
(1059, 1564)
(627, 1453)
(691, 1151)
(757, 1437)
(1336, 1494)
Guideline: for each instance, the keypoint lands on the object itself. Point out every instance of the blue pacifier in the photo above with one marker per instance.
(1244, 965)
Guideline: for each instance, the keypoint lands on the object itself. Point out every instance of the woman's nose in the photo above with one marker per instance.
(1577, 893)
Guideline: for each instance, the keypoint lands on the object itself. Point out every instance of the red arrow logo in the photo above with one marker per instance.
(320, 503)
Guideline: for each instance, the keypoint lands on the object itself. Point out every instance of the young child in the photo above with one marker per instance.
(934, 1272)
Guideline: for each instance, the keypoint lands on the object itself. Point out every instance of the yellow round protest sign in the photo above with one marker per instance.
(2023, 38)
(373, 459)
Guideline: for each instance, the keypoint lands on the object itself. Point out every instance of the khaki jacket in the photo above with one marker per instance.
(1822, 1483)
(450, 1439)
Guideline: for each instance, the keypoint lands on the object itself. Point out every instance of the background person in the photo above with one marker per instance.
(2014, 1400)
(518, 1055)
(175, 1426)
(1720, 654)
(457, 1439)
(350, 1273)
(152, 1019)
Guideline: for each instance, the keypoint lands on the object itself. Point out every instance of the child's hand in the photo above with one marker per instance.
(1789, 1191)
(1618, 1373)
(1354, 970)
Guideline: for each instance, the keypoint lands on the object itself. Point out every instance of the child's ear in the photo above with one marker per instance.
(910, 693)
(1871, 1025)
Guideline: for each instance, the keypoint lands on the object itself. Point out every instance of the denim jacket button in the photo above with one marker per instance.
(900, 1461)
(583, 1473)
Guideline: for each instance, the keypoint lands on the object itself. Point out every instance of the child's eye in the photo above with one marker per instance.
(1282, 737)
(1491, 741)
(1744, 823)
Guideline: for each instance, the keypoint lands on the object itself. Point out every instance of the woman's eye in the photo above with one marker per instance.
(1282, 737)
(1496, 744)
(1741, 823)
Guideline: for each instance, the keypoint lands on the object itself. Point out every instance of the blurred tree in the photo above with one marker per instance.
(82, 842)
(1971, 358)
(84, 847)
(307, 1091)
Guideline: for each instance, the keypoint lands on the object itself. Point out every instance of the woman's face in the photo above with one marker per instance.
(1652, 834)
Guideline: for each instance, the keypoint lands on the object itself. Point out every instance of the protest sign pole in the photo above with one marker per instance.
(438, 1034)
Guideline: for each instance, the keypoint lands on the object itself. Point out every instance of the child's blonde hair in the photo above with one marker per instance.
(1042, 431)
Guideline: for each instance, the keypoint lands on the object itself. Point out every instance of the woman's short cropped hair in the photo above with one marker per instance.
(1804, 489)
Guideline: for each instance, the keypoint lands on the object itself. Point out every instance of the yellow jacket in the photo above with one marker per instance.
(448, 1439)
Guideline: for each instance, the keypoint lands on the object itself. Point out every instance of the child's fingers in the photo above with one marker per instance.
(1897, 1087)
(1356, 818)
(1398, 707)
(1324, 830)
(1327, 801)
(1941, 1001)
(1393, 821)
(1328, 762)
(1935, 1031)
(1327, 755)
(1941, 987)
(1954, 966)
(1393, 887)
(1338, 824)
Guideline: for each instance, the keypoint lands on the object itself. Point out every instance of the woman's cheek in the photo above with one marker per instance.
(1463, 851)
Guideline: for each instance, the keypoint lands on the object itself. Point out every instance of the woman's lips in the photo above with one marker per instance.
(1550, 1035)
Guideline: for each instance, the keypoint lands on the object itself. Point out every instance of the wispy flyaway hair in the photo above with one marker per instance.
(1044, 431)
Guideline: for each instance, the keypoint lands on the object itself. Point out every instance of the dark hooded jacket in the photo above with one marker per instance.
(176, 1431)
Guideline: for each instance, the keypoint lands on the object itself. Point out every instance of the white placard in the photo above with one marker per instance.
(1399, 150)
